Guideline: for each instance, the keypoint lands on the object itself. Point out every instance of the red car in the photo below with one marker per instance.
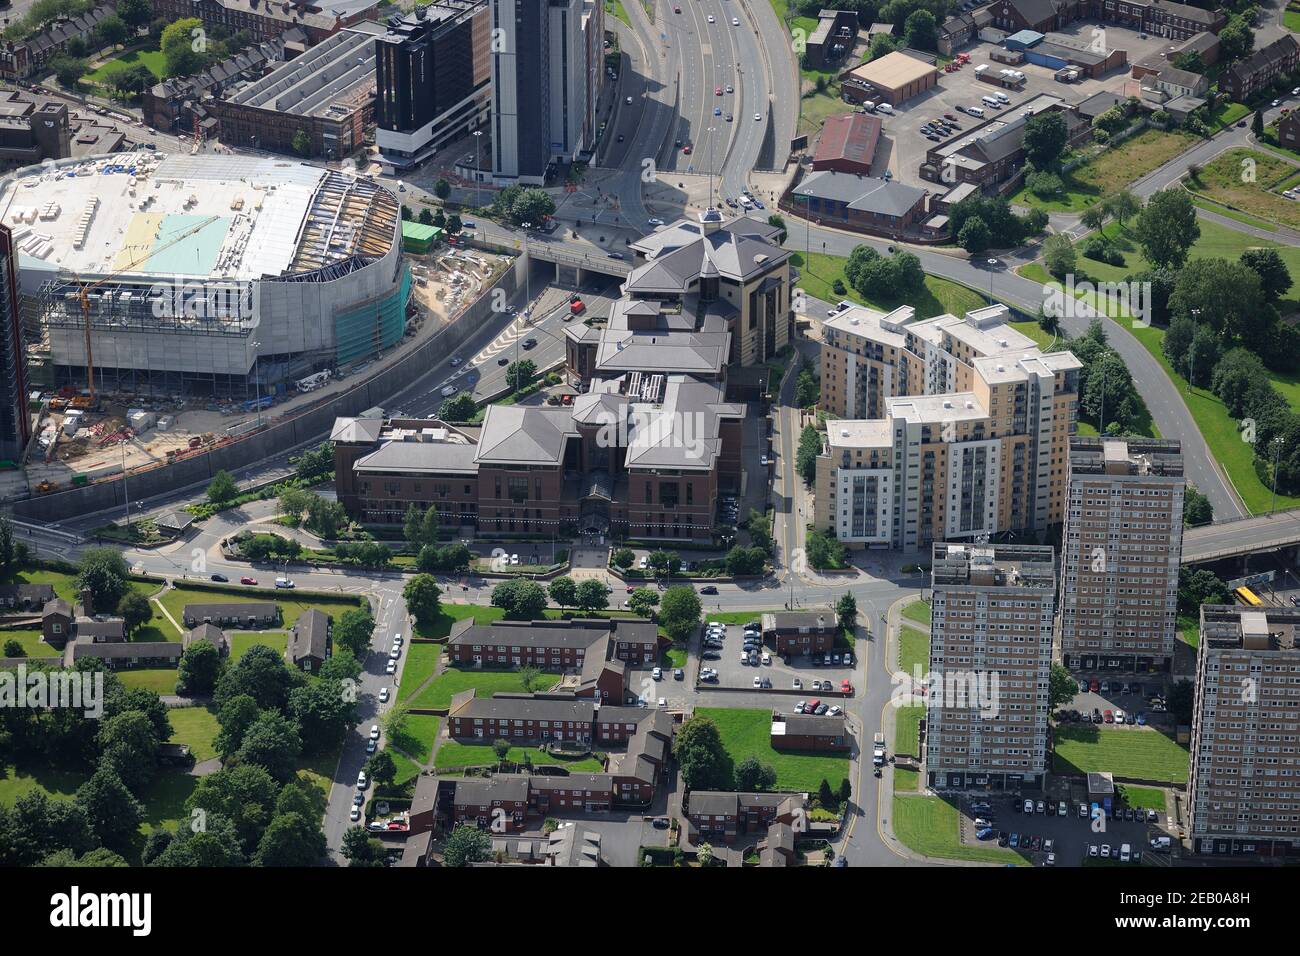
(717, 91)
(1094, 685)
(686, 149)
(247, 580)
(812, 705)
(1110, 717)
(846, 687)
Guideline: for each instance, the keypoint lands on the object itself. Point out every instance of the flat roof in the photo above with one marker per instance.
(231, 217)
(892, 71)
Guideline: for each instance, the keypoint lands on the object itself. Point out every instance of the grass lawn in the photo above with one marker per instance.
(1221, 180)
(164, 800)
(1291, 20)
(197, 727)
(14, 782)
(928, 825)
(907, 729)
(1033, 330)
(1226, 114)
(449, 614)
(1112, 170)
(160, 680)
(438, 694)
(454, 754)
(615, 8)
(417, 737)
(747, 733)
(913, 650)
(918, 611)
(818, 275)
(1241, 217)
(421, 662)
(407, 769)
(30, 639)
(241, 641)
(1142, 798)
(1144, 754)
(675, 657)
(905, 781)
(152, 59)
(290, 608)
(1189, 629)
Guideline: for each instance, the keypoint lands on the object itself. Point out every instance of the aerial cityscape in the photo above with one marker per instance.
(650, 433)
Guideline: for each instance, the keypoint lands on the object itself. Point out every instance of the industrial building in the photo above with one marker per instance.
(322, 99)
(434, 80)
(894, 78)
(847, 143)
(883, 206)
(202, 274)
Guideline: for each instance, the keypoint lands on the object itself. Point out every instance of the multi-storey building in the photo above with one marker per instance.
(1272, 60)
(434, 79)
(1244, 786)
(1120, 553)
(990, 655)
(954, 429)
(264, 19)
(15, 419)
(1177, 21)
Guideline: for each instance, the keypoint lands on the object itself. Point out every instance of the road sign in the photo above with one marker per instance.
(1253, 580)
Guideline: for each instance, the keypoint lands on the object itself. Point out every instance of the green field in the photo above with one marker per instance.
(454, 754)
(913, 651)
(614, 8)
(1136, 753)
(907, 729)
(419, 732)
(241, 641)
(65, 587)
(154, 60)
(160, 680)
(449, 614)
(31, 641)
(918, 611)
(747, 733)
(1111, 171)
(1143, 798)
(1222, 181)
(928, 825)
(438, 694)
(197, 727)
(937, 297)
(906, 781)
(421, 662)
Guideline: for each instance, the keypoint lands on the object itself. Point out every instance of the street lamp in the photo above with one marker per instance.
(257, 381)
(992, 263)
(478, 168)
(1191, 354)
(1277, 451)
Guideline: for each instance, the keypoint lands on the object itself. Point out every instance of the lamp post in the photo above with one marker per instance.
(1277, 451)
(257, 382)
(478, 168)
(126, 491)
(1191, 353)
(992, 263)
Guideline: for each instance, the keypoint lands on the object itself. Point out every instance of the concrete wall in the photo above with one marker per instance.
(312, 425)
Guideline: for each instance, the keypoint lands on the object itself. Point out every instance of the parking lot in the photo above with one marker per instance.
(1132, 697)
(1071, 835)
(777, 673)
(903, 147)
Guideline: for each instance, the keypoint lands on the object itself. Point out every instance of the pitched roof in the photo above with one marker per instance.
(205, 632)
(241, 609)
(525, 707)
(29, 593)
(865, 194)
(482, 791)
(1279, 49)
(310, 636)
(517, 434)
(79, 648)
(848, 136)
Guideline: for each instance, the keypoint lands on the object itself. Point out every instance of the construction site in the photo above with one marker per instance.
(171, 305)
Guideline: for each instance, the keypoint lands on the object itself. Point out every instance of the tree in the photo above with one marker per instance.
(135, 611)
(1197, 586)
(291, 840)
(69, 70)
(664, 563)
(810, 446)
(520, 374)
(199, 668)
(1267, 263)
(1061, 687)
(103, 572)
(592, 595)
(806, 389)
(111, 30)
(532, 206)
(442, 188)
(293, 501)
(315, 464)
(502, 750)
(529, 677)
(222, 488)
(354, 629)
(846, 611)
(1224, 296)
(1109, 392)
(426, 217)
(262, 674)
(1236, 39)
(825, 795)
(882, 44)
(14, 648)
(1257, 124)
(113, 812)
(642, 602)
(272, 743)
(1045, 138)
(234, 718)
(421, 595)
(563, 591)
(1197, 509)
(1123, 206)
(183, 47)
(136, 13)
(745, 561)
(919, 30)
(302, 142)
(974, 236)
(322, 711)
(701, 757)
(521, 600)
(779, 222)
(132, 81)
(381, 768)
(12, 551)
(1058, 255)
(1166, 228)
(623, 558)
(825, 552)
(466, 845)
(458, 408)
(754, 777)
(326, 517)
(1094, 217)
(679, 612)
(361, 849)
(454, 225)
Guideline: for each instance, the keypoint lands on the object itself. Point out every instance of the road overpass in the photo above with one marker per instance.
(1242, 536)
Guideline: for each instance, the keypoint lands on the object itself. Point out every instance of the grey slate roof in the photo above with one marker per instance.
(27, 593)
(886, 198)
(243, 610)
(802, 725)
(310, 636)
(204, 632)
(481, 791)
(514, 434)
(521, 707)
(356, 430)
(403, 456)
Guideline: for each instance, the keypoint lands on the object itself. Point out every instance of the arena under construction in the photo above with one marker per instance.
(208, 275)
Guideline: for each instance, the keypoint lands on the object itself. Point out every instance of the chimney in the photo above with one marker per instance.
(85, 606)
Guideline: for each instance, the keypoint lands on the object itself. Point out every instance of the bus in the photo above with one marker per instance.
(1247, 596)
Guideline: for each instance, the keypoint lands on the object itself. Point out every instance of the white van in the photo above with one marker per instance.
(974, 111)
(869, 106)
(1125, 853)
(283, 583)
(885, 108)
(992, 102)
(1002, 98)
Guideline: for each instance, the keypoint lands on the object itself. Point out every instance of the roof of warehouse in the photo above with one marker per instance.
(850, 136)
(892, 71)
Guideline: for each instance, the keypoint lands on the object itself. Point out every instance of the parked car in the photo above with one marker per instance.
(220, 578)
(383, 695)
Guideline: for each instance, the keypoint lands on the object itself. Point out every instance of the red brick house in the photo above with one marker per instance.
(520, 718)
(804, 732)
(713, 813)
(799, 632)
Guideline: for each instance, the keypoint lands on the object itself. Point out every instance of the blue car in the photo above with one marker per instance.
(1142, 718)
(717, 111)
(759, 204)
(1015, 840)
(987, 833)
